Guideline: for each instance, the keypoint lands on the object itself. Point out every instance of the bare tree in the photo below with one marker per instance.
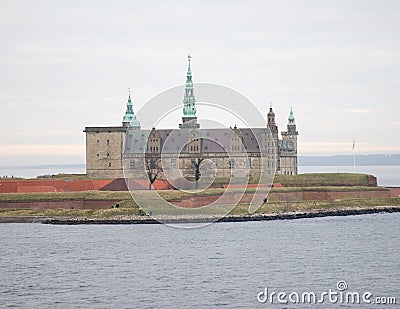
(153, 168)
(196, 166)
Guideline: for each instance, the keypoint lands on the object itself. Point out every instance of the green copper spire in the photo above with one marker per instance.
(189, 101)
(291, 116)
(129, 117)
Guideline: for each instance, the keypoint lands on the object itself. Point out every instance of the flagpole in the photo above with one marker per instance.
(354, 154)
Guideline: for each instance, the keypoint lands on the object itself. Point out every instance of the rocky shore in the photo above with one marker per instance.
(131, 219)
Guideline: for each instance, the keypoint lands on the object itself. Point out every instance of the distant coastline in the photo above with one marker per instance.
(348, 160)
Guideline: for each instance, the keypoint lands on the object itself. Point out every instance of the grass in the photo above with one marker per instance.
(280, 207)
(93, 213)
(129, 208)
(67, 177)
(62, 196)
(305, 182)
(323, 179)
(301, 180)
(169, 195)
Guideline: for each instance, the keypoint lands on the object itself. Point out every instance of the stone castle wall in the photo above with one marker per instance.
(104, 152)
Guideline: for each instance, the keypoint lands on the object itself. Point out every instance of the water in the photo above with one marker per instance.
(223, 265)
(33, 172)
(387, 175)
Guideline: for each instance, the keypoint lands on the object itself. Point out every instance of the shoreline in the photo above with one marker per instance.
(203, 219)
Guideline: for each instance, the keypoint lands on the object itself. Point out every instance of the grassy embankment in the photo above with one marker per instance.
(129, 207)
(301, 180)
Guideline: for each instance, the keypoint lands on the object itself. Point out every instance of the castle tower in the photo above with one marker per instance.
(273, 139)
(291, 133)
(189, 118)
(272, 124)
(129, 118)
(288, 148)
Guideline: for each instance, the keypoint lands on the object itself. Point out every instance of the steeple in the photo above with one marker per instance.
(271, 115)
(189, 118)
(291, 126)
(272, 124)
(129, 118)
(291, 134)
(291, 119)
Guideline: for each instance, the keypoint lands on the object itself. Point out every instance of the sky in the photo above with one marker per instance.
(65, 65)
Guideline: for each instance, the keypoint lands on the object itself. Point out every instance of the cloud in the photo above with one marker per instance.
(28, 150)
(360, 111)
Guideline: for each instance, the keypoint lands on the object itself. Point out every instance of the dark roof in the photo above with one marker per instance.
(213, 140)
(105, 129)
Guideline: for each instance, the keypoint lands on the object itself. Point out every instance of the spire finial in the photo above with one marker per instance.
(291, 116)
(189, 57)
(189, 101)
(129, 117)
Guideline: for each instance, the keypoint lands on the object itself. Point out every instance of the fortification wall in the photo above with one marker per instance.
(67, 204)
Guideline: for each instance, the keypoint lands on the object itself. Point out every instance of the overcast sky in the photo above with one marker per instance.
(65, 65)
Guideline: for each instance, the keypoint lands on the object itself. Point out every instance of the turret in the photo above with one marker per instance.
(129, 118)
(291, 127)
(272, 124)
(189, 118)
(291, 134)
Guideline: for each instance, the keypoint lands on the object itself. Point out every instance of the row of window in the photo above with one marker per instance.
(108, 142)
(107, 155)
(231, 163)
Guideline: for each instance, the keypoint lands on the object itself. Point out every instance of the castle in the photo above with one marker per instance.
(235, 151)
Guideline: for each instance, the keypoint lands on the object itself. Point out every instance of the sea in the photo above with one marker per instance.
(222, 265)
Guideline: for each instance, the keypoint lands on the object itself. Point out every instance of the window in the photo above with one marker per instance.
(108, 142)
(248, 163)
(97, 141)
(173, 163)
(231, 163)
(98, 155)
(109, 164)
(132, 164)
